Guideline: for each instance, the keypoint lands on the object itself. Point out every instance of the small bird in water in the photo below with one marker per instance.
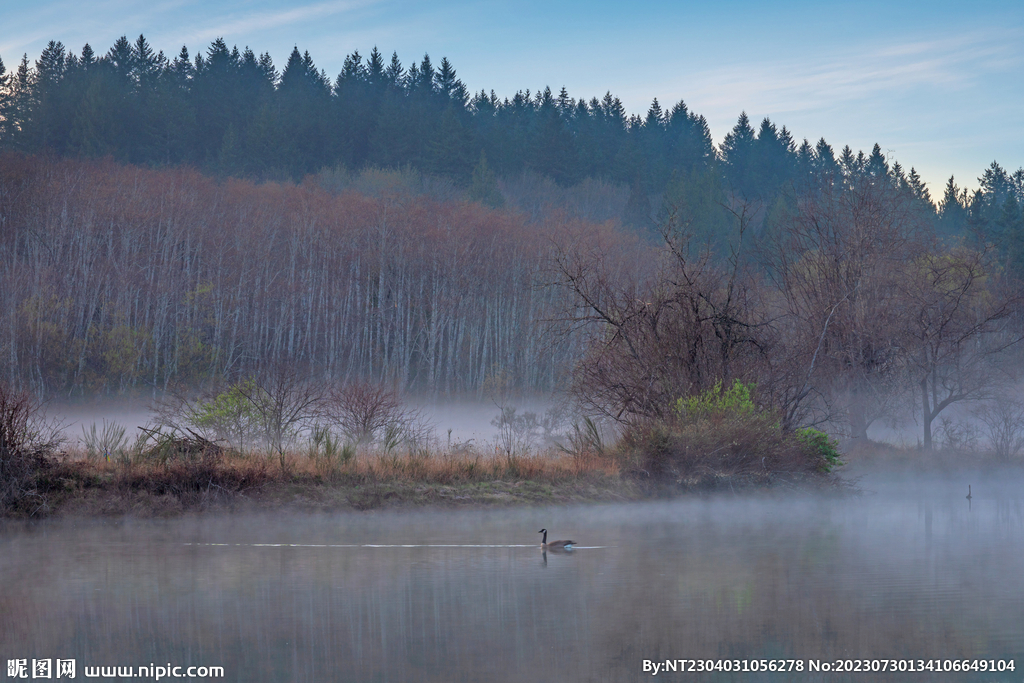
(554, 545)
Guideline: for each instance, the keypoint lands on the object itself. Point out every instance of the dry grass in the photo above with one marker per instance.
(439, 467)
(425, 466)
(224, 478)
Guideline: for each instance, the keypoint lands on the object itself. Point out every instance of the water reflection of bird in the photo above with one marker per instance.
(554, 545)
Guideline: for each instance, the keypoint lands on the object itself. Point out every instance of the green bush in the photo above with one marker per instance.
(818, 444)
(736, 401)
(722, 438)
(230, 415)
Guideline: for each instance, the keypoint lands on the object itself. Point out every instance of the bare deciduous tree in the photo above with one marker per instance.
(1003, 418)
(366, 413)
(838, 269)
(959, 315)
(663, 323)
(285, 403)
(362, 410)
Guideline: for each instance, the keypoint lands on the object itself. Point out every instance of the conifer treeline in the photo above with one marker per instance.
(115, 278)
(234, 113)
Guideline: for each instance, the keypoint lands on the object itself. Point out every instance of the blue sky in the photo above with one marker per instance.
(939, 85)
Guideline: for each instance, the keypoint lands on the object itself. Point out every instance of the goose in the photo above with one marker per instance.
(968, 492)
(554, 545)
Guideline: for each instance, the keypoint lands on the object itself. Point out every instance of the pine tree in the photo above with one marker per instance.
(394, 75)
(877, 166)
(849, 164)
(266, 66)
(375, 75)
(446, 83)
(690, 144)
(151, 106)
(48, 124)
(424, 82)
(804, 164)
(305, 105)
(88, 58)
(899, 178)
(232, 111)
(565, 104)
(21, 104)
(553, 149)
(952, 207)
(772, 162)
(738, 155)
(216, 101)
(181, 69)
(146, 65)
(918, 189)
(825, 163)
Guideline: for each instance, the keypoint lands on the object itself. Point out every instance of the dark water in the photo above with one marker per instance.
(906, 572)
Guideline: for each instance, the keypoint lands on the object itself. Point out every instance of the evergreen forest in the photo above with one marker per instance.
(232, 112)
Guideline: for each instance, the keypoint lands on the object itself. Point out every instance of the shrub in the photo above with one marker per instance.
(721, 437)
(820, 445)
(110, 442)
(27, 443)
(229, 415)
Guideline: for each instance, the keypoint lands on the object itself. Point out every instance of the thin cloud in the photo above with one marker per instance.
(792, 86)
(274, 20)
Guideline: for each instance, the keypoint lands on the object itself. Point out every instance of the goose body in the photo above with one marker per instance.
(554, 545)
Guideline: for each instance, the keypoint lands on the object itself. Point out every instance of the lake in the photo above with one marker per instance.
(910, 570)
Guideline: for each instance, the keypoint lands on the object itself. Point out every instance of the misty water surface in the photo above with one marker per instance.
(906, 571)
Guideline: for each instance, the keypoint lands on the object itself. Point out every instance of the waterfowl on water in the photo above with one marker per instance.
(554, 545)
(968, 492)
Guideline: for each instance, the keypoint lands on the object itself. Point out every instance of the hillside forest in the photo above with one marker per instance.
(184, 221)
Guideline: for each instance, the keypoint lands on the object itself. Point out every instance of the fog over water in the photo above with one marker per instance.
(910, 569)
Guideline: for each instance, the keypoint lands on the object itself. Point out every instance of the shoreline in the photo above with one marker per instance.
(85, 489)
(72, 487)
(80, 488)
(314, 497)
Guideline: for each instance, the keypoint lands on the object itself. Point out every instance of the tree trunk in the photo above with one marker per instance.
(857, 415)
(926, 414)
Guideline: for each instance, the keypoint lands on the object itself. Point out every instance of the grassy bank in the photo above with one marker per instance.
(228, 480)
(718, 440)
(199, 476)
